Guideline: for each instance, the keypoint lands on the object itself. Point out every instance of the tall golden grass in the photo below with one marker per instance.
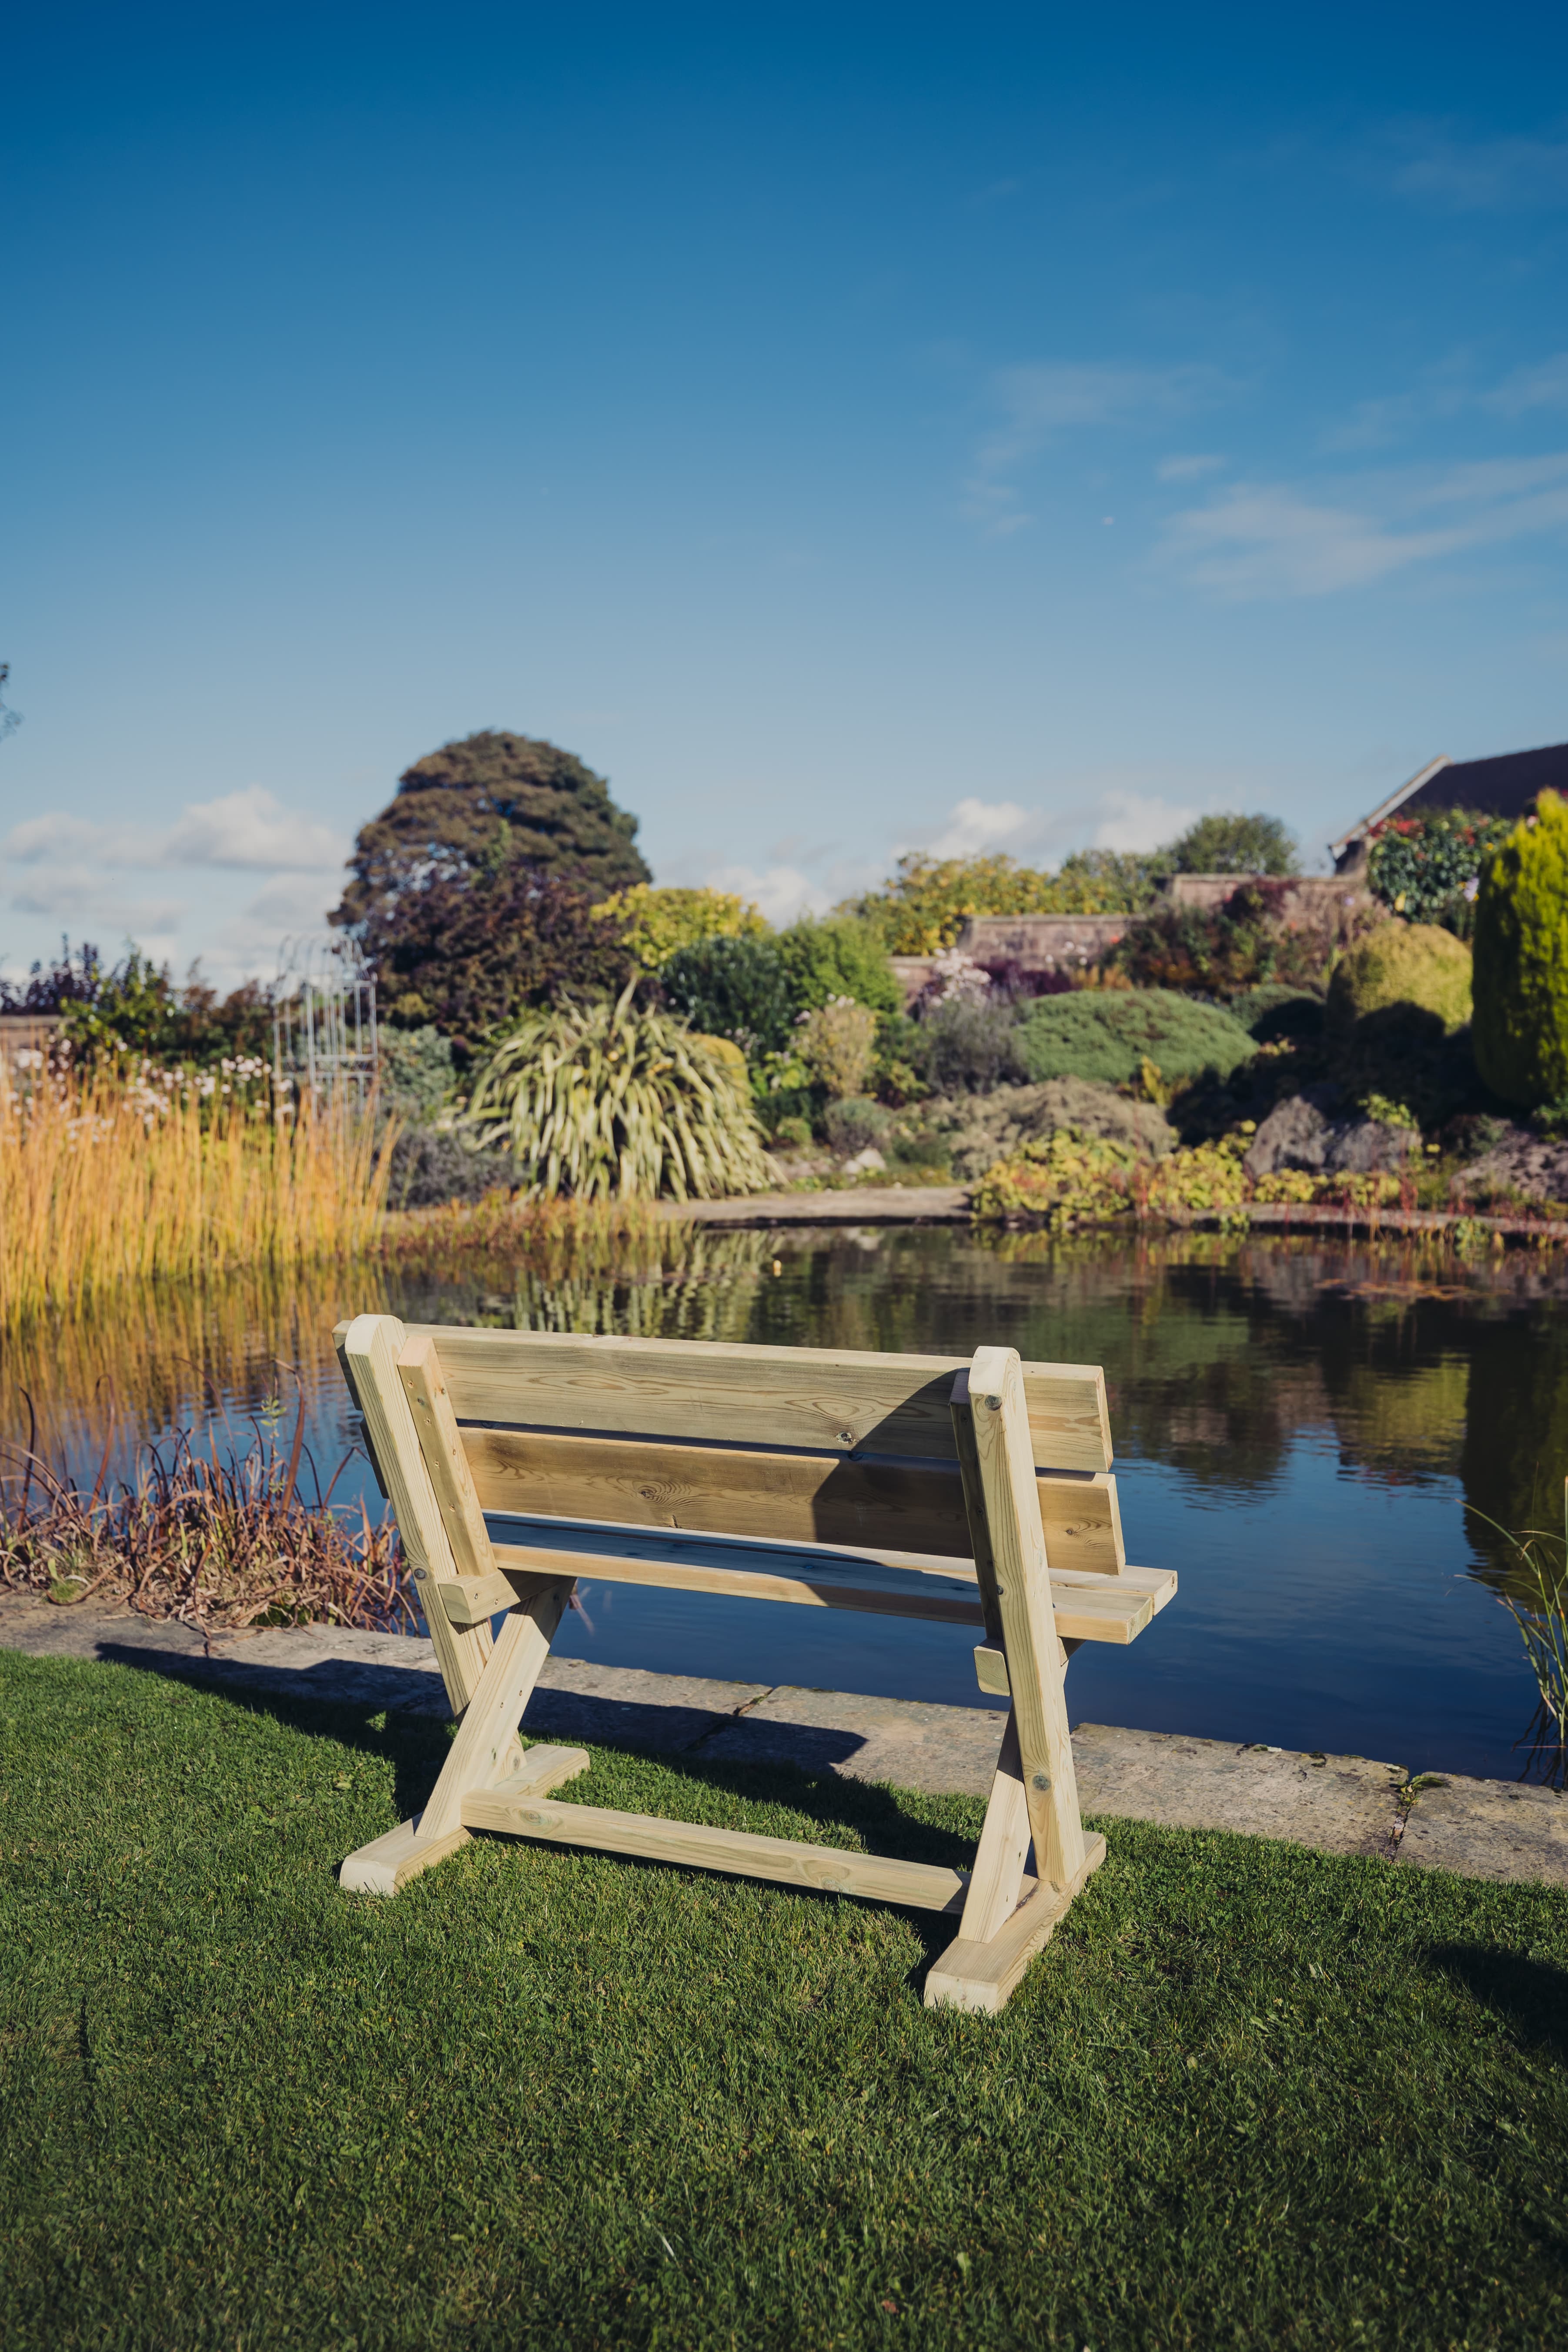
(109, 1177)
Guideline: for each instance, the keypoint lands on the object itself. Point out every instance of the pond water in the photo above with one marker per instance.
(1298, 1427)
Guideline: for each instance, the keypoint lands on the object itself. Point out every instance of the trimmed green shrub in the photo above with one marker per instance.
(968, 1045)
(855, 1122)
(1109, 1034)
(1520, 1029)
(840, 956)
(733, 987)
(1408, 965)
(1276, 1011)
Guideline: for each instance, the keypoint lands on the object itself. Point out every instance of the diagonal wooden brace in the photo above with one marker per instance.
(481, 1752)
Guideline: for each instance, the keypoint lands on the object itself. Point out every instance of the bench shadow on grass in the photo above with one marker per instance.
(379, 1722)
(1531, 1995)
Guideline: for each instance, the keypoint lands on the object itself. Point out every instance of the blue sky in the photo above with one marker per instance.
(850, 429)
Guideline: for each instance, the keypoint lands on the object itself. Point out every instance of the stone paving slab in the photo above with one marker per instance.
(621, 1706)
(861, 1205)
(946, 1751)
(1341, 1804)
(1487, 1829)
(576, 1699)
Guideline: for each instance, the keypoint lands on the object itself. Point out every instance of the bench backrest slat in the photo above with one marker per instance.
(811, 1398)
(785, 1497)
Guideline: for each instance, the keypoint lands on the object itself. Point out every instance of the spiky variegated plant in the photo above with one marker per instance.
(605, 1102)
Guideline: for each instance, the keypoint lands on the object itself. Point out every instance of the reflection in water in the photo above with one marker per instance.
(1299, 1425)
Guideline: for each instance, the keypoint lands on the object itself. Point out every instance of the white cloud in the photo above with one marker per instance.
(1544, 385)
(245, 828)
(1111, 810)
(85, 897)
(1451, 389)
(1487, 175)
(975, 825)
(1262, 539)
(782, 892)
(39, 837)
(1039, 401)
(1187, 469)
(1138, 821)
(251, 827)
(74, 871)
(291, 912)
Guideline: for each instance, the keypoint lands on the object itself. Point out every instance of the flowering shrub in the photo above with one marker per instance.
(955, 979)
(1062, 1182)
(1427, 868)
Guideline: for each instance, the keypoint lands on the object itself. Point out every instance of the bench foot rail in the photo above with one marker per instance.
(515, 1810)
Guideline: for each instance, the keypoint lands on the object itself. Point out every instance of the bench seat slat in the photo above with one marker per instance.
(822, 1498)
(1087, 1607)
(817, 1397)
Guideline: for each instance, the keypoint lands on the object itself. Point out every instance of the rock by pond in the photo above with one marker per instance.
(1314, 1132)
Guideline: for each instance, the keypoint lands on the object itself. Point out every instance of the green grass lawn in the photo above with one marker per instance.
(1249, 2096)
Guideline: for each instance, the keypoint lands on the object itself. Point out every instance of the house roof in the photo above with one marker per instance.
(1505, 786)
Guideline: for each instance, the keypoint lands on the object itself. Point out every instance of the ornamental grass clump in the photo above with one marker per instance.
(1538, 1607)
(605, 1102)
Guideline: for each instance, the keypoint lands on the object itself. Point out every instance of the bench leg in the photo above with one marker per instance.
(388, 1862)
(980, 1976)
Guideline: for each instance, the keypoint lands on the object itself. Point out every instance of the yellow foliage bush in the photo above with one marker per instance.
(658, 922)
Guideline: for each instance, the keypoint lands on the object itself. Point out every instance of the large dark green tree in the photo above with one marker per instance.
(464, 953)
(493, 802)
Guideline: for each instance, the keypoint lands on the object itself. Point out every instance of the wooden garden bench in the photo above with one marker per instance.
(906, 1485)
